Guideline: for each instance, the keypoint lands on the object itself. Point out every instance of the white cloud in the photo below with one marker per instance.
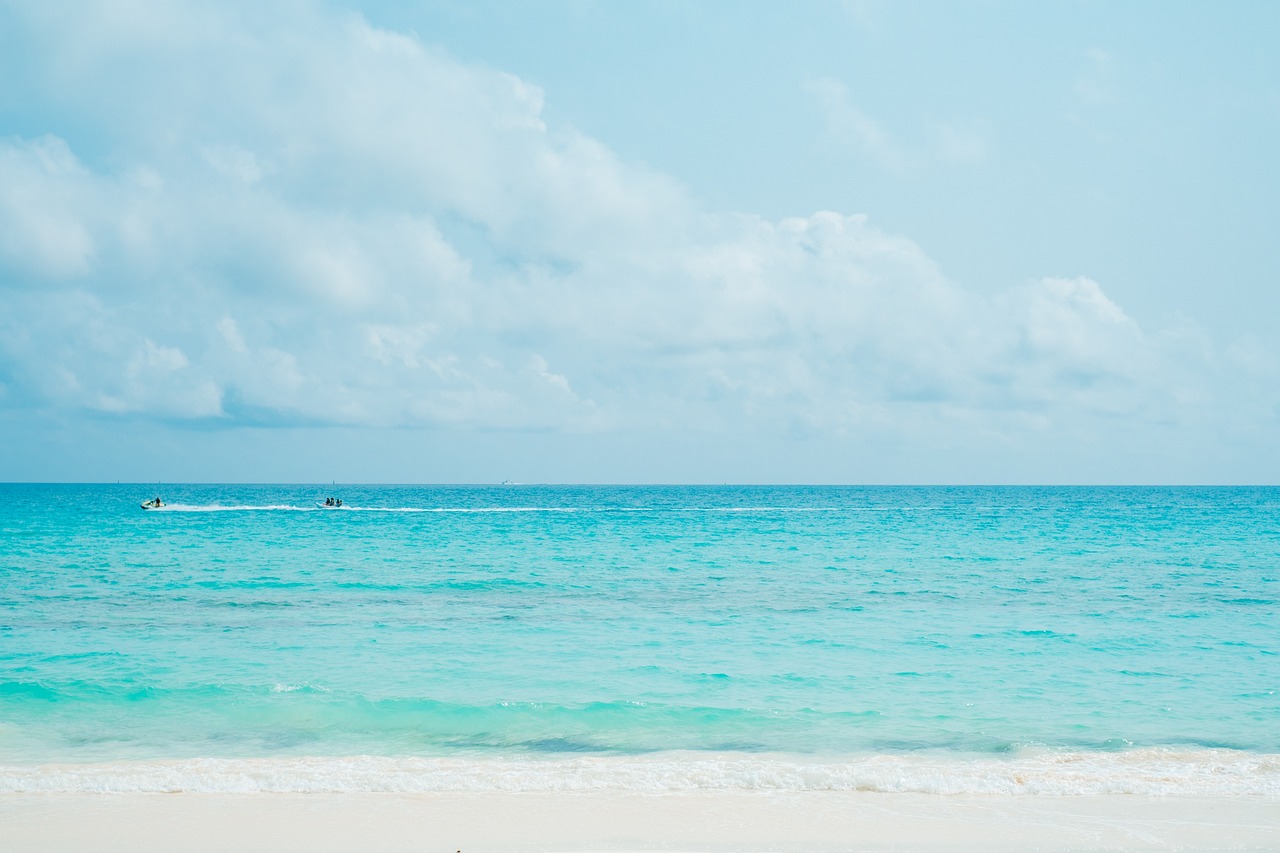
(1094, 85)
(41, 209)
(957, 143)
(949, 142)
(234, 162)
(344, 225)
(851, 125)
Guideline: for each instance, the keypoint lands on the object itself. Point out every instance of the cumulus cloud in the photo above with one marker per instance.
(297, 218)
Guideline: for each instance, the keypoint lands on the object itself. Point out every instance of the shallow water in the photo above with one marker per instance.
(752, 627)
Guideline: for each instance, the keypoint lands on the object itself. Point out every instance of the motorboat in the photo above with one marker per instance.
(154, 503)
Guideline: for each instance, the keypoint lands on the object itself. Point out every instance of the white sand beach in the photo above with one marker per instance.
(711, 821)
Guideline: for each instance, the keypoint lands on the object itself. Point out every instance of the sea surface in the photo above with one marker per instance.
(959, 639)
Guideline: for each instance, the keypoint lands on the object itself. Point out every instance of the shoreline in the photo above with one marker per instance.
(1158, 772)
(698, 822)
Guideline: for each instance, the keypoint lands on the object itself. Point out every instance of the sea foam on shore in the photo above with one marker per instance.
(1149, 772)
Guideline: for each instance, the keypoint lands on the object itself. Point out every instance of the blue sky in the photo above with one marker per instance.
(681, 242)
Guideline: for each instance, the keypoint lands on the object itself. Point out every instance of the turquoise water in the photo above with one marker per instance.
(482, 629)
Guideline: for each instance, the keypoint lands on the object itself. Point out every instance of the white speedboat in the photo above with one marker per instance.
(155, 503)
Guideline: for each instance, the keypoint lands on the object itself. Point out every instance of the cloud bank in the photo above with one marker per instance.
(290, 217)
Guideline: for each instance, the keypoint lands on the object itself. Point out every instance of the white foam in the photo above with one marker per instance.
(1143, 772)
(179, 507)
(232, 508)
(347, 508)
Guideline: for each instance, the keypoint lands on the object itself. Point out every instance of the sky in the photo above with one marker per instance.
(687, 242)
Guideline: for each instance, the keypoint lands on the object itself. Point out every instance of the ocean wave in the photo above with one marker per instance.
(153, 718)
(1146, 772)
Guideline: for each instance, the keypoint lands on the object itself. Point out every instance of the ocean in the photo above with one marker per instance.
(1020, 640)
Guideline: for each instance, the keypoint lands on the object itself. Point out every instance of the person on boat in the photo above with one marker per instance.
(338, 502)
(328, 501)
(157, 501)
